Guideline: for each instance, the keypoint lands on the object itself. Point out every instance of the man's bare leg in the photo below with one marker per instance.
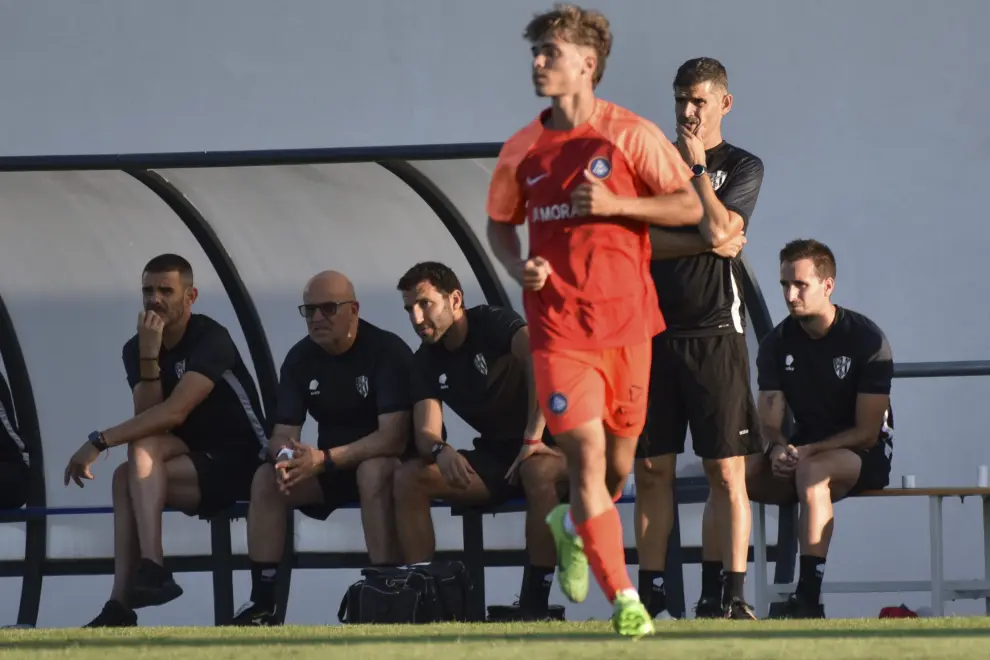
(148, 483)
(542, 478)
(819, 481)
(126, 549)
(654, 516)
(416, 484)
(374, 480)
(731, 512)
(267, 520)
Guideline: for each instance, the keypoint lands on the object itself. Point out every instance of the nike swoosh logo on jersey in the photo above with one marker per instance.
(536, 179)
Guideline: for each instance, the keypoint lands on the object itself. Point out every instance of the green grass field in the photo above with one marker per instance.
(722, 640)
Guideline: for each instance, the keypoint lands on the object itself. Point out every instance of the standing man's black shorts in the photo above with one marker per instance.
(15, 480)
(702, 383)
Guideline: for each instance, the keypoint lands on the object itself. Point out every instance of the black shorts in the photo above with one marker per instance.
(875, 472)
(15, 478)
(340, 488)
(701, 383)
(491, 459)
(224, 478)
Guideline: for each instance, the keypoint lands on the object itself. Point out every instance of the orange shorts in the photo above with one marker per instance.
(612, 384)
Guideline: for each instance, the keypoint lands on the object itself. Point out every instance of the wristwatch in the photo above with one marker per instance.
(436, 449)
(97, 440)
(698, 170)
(328, 464)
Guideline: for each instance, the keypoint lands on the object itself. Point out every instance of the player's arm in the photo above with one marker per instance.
(535, 422)
(872, 400)
(213, 355)
(669, 244)
(392, 377)
(143, 377)
(506, 206)
(771, 404)
(290, 405)
(727, 218)
(427, 426)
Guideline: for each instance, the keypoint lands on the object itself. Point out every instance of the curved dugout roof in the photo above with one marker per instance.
(76, 232)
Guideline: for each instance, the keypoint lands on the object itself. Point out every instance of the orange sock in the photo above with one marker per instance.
(602, 536)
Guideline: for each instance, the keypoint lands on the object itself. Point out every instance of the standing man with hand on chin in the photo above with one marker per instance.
(700, 372)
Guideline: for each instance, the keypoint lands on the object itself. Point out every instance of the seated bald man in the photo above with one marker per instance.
(352, 378)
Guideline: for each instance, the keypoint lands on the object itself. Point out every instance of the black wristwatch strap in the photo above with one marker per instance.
(436, 449)
(328, 464)
(97, 440)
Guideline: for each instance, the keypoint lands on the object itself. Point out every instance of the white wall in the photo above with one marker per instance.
(867, 116)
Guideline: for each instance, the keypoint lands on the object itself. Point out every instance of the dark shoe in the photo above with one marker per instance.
(114, 615)
(153, 585)
(709, 608)
(506, 613)
(252, 614)
(739, 610)
(798, 606)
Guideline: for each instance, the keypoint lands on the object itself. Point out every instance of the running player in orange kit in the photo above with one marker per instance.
(589, 176)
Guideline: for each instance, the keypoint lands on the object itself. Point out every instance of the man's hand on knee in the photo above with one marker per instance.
(306, 462)
(526, 452)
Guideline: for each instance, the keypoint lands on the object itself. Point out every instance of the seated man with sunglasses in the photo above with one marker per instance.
(353, 379)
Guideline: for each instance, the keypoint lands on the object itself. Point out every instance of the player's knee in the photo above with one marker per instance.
(119, 487)
(375, 476)
(264, 487)
(655, 474)
(409, 480)
(811, 476)
(539, 476)
(145, 451)
(726, 474)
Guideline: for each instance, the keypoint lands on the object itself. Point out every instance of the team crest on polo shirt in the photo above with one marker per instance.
(601, 167)
(841, 366)
(717, 178)
(180, 368)
(480, 364)
(557, 403)
(361, 383)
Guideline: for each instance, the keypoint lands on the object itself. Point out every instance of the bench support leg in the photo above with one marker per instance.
(474, 562)
(935, 529)
(223, 571)
(986, 545)
(760, 559)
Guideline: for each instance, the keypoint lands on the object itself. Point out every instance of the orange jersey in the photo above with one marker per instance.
(600, 294)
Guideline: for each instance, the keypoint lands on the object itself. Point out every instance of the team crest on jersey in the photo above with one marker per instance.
(557, 403)
(841, 366)
(480, 364)
(718, 178)
(600, 167)
(180, 368)
(361, 383)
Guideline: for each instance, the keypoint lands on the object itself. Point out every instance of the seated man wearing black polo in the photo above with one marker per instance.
(833, 368)
(194, 443)
(14, 474)
(353, 379)
(477, 361)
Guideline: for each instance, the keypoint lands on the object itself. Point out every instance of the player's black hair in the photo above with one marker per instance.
(701, 70)
(171, 263)
(808, 248)
(439, 275)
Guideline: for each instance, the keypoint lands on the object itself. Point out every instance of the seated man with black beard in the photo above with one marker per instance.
(477, 361)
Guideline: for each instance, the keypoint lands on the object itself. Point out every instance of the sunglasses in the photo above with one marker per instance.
(326, 309)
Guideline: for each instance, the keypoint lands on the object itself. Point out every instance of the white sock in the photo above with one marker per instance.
(569, 525)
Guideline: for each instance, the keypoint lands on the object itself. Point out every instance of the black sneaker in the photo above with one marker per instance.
(114, 615)
(739, 610)
(252, 614)
(153, 585)
(514, 612)
(799, 606)
(709, 608)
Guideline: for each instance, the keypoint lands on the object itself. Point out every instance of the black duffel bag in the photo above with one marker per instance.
(423, 593)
